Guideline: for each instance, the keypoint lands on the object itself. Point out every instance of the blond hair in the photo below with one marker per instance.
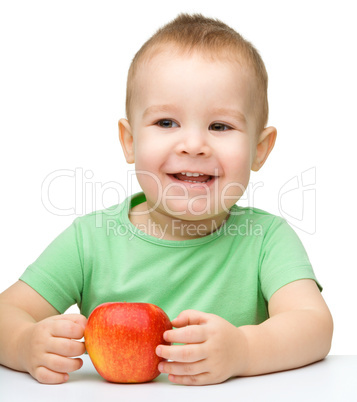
(211, 37)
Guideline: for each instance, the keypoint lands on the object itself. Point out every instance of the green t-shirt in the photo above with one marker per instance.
(232, 272)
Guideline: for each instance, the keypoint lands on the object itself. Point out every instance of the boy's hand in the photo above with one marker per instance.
(48, 345)
(214, 349)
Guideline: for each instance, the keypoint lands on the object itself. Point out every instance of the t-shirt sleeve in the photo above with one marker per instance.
(283, 259)
(57, 274)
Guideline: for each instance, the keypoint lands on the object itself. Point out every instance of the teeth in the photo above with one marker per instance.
(192, 175)
(194, 181)
(189, 174)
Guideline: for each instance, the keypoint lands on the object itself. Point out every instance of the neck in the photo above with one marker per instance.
(163, 226)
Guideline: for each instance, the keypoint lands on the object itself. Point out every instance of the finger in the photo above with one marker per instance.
(76, 318)
(183, 368)
(46, 376)
(66, 328)
(200, 379)
(190, 317)
(65, 347)
(61, 364)
(181, 353)
(188, 334)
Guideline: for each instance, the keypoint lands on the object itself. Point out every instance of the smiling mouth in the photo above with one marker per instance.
(188, 177)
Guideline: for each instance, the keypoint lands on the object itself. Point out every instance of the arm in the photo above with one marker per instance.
(298, 332)
(35, 338)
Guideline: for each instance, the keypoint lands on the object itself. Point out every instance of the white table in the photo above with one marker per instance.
(333, 379)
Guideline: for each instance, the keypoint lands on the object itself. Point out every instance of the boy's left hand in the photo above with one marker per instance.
(214, 349)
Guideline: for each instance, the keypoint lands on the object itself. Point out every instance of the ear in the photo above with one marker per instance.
(265, 145)
(126, 140)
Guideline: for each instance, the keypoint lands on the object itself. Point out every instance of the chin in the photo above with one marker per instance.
(195, 210)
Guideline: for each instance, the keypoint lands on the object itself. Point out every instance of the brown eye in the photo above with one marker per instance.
(166, 123)
(219, 127)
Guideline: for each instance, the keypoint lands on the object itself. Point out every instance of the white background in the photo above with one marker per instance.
(62, 91)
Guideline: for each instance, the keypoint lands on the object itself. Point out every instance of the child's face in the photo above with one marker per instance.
(193, 116)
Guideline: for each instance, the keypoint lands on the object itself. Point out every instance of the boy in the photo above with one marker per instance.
(237, 279)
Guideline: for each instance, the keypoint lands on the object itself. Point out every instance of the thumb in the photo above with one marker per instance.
(76, 318)
(190, 317)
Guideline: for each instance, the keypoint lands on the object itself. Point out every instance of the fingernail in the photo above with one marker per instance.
(161, 367)
(158, 351)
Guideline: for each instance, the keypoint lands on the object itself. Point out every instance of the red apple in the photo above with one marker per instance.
(121, 339)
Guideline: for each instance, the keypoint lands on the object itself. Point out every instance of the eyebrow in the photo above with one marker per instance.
(236, 114)
(159, 108)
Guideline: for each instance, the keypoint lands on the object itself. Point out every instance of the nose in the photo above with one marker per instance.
(194, 143)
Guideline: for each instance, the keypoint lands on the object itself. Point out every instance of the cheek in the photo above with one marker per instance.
(145, 153)
(147, 161)
(237, 160)
(237, 166)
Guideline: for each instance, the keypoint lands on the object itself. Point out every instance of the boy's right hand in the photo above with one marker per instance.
(48, 347)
